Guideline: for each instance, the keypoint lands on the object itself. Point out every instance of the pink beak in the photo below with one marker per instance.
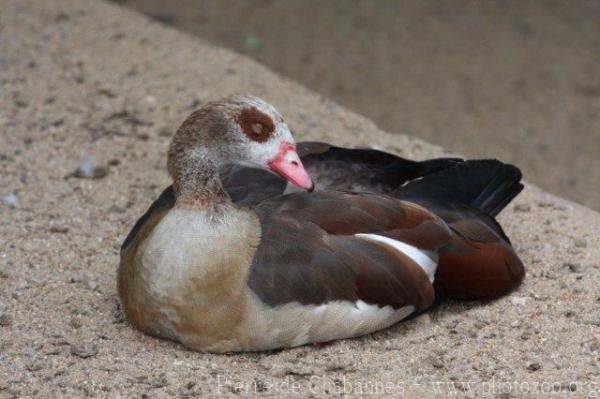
(288, 165)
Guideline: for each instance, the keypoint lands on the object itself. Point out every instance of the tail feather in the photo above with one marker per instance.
(485, 185)
(476, 264)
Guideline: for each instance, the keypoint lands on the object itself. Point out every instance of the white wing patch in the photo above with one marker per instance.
(427, 260)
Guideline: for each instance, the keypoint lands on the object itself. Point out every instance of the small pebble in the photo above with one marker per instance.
(116, 209)
(106, 92)
(573, 267)
(21, 103)
(159, 382)
(519, 300)
(34, 366)
(535, 366)
(522, 207)
(75, 323)
(58, 229)
(77, 279)
(87, 169)
(5, 320)
(549, 275)
(437, 363)
(119, 316)
(151, 102)
(11, 200)
(53, 352)
(85, 350)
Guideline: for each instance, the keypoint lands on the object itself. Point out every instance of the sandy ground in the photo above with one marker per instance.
(518, 80)
(88, 79)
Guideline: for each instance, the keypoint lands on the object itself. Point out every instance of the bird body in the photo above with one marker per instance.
(231, 258)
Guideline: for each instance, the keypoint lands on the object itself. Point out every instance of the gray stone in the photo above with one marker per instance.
(84, 350)
(5, 320)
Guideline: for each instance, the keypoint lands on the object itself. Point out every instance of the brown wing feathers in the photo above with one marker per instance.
(309, 253)
(480, 262)
(315, 270)
(399, 280)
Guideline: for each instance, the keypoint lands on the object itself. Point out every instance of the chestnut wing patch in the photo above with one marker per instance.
(255, 124)
(477, 264)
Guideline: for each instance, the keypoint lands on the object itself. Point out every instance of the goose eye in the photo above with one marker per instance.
(257, 128)
(256, 125)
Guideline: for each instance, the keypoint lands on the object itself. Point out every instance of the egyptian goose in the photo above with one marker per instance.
(231, 258)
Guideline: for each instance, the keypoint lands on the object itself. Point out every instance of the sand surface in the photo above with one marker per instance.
(518, 80)
(89, 85)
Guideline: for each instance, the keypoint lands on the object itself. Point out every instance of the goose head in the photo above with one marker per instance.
(242, 130)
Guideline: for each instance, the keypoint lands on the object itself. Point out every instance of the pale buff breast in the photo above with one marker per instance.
(191, 275)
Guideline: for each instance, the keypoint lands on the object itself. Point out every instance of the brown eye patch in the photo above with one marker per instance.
(255, 124)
